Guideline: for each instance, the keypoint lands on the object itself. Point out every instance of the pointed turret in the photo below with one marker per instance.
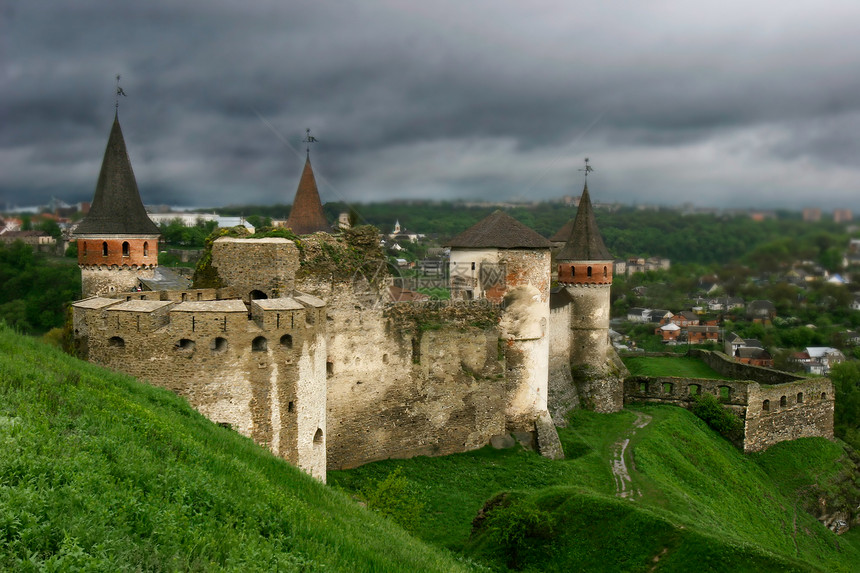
(117, 242)
(117, 208)
(306, 215)
(584, 259)
(585, 242)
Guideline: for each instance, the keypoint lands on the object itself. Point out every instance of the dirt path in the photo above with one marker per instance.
(623, 483)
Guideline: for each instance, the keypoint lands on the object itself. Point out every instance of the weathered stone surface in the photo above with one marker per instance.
(795, 408)
(548, 443)
(263, 376)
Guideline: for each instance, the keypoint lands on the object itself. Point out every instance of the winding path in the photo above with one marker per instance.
(623, 483)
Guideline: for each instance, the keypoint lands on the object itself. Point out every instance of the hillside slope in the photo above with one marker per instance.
(692, 501)
(101, 473)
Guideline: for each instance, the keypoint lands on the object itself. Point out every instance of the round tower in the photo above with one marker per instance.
(117, 242)
(585, 271)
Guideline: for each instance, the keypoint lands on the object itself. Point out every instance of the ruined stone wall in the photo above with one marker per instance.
(562, 394)
(799, 409)
(771, 413)
(401, 384)
(264, 382)
(267, 265)
(107, 281)
(682, 391)
(725, 366)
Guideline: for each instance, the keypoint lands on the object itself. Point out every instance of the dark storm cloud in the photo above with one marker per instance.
(724, 103)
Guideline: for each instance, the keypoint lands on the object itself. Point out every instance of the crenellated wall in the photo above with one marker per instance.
(262, 375)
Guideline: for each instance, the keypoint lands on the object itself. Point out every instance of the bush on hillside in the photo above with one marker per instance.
(396, 498)
(719, 418)
(518, 525)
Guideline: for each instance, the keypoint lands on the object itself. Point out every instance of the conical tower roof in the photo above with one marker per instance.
(563, 234)
(585, 242)
(306, 215)
(499, 231)
(117, 208)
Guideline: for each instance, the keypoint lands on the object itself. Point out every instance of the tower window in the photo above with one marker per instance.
(145, 249)
(125, 248)
(84, 243)
(287, 341)
(104, 249)
(589, 272)
(604, 272)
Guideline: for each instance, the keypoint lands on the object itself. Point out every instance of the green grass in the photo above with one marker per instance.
(101, 473)
(704, 505)
(682, 366)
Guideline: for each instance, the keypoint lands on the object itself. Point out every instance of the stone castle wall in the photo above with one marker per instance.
(788, 411)
(266, 265)
(264, 375)
(795, 407)
(406, 379)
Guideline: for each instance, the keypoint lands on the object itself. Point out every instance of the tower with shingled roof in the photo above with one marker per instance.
(503, 261)
(117, 242)
(584, 268)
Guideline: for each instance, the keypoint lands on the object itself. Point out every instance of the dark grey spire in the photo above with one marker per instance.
(117, 208)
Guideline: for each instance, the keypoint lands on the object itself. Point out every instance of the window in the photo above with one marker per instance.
(260, 344)
(824, 396)
(668, 387)
(125, 248)
(800, 397)
(145, 249)
(84, 243)
(318, 436)
(116, 342)
(329, 367)
(291, 407)
(783, 402)
(310, 316)
(643, 387)
(605, 272)
(287, 341)
(185, 344)
(694, 389)
(104, 249)
(588, 273)
(765, 406)
(725, 392)
(218, 345)
(257, 295)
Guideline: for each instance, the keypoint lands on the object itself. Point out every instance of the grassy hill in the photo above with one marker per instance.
(101, 473)
(696, 502)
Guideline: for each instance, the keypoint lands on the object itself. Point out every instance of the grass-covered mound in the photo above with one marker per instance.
(699, 503)
(101, 473)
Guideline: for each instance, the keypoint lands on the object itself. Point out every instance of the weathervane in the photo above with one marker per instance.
(588, 169)
(308, 140)
(119, 92)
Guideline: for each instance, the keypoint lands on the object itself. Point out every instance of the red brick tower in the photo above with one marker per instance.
(117, 242)
(584, 259)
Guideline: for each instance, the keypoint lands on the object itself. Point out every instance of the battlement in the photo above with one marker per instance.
(792, 408)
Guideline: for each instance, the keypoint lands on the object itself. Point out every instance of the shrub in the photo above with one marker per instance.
(395, 497)
(517, 526)
(719, 418)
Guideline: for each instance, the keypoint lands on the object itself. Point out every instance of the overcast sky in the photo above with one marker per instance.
(728, 104)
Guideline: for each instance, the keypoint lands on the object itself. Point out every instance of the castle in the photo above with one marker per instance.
(302, 346)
